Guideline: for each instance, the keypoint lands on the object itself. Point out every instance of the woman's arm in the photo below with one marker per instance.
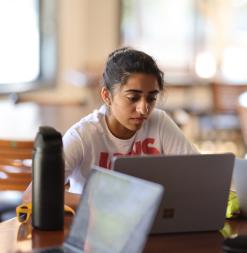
(27, 195)
(71, 199)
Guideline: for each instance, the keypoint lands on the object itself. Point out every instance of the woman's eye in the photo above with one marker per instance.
(133, 98)
(151, 99)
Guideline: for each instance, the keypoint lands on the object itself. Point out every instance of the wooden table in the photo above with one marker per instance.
(208, 242)
(14, 236)
(22, 237)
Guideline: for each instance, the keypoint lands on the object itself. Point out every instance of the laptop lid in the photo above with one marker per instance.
(115, 213)
(197, 188)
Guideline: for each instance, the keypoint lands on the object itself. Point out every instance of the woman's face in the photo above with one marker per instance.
(131, 104)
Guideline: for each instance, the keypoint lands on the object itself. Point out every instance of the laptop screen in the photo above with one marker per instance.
(115, 213)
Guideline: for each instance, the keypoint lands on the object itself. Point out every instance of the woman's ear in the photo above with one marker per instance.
(106, 96)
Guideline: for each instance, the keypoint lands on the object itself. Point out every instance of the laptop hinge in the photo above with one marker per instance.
(72, 248)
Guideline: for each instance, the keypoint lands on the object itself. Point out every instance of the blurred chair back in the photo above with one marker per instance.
(225, 96)
(242, 112)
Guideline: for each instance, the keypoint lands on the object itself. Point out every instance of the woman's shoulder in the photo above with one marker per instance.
(159, 114)
(161, 119)
(91, 122)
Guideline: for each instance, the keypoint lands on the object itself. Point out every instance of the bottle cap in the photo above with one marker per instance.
(48, 139)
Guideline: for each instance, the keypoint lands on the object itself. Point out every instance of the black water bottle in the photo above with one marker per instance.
(48, 180)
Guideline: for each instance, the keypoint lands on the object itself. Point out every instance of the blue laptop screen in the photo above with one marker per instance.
(115, 213)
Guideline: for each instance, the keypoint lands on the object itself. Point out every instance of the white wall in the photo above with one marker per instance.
(88, 33)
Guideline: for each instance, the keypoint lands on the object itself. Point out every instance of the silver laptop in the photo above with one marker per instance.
(115, 214)
(197, 188)
(240, 184)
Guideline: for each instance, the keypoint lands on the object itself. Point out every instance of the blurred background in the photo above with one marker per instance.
(53, 52)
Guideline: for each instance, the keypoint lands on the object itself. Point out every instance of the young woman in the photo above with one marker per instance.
(127, 123)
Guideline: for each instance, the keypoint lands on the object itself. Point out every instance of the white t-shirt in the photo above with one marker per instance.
(89, 142)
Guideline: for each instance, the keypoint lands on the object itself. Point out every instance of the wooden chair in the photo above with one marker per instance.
(15, 174)
(13, 149)
(14, 178)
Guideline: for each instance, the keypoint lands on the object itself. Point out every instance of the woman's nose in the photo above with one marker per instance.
(142, 107)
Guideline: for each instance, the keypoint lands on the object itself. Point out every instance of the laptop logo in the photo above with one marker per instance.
(168, 213)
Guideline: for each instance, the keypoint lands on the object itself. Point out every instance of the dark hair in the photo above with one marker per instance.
(123, 62)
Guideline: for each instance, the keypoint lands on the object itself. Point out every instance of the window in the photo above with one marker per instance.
(28, 44)
(162, 28)
(202, 39)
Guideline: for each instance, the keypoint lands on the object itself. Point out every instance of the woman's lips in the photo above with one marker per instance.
(138, 120)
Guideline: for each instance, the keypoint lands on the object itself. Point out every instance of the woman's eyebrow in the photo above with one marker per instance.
(154, 92)
(140, 91)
